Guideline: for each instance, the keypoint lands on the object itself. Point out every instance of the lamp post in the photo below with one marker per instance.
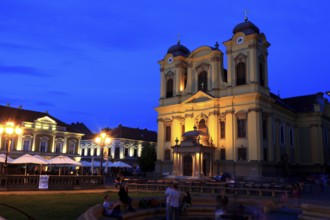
(102, 140)
(10, 130)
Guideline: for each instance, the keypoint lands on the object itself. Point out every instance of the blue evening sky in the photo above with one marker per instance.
(95, 61)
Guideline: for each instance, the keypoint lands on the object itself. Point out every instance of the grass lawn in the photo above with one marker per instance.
(55, 206)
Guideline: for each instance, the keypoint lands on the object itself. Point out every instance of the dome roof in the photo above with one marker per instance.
(247, 27)
(179, 50)
(194, 133)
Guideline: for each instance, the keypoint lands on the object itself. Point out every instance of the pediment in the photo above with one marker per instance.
(200, 96)
(46, 119)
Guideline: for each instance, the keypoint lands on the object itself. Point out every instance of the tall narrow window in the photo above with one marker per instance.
(26, 144)
(261, 74)
(264, 128)
(185, 78)
(241, 128)
(169, 88)
(222, 154)
(202, 81)
(222, 129)
(168, 133)
(274, 133)
(126, 152)
(167, 155)
(135, 154)
(117, 153)
(202, 125)
(43, 145)
(326, 138)
(58, 147)
(225, 75)
(291, 137)
(265, 154)
(240, 74)
(241, 153)
(282, 135)
(72, 146)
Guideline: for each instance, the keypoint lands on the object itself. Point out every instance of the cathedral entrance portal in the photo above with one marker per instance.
(187, 165)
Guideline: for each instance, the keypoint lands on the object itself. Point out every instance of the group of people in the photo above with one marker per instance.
(112, 209)
(177, 202)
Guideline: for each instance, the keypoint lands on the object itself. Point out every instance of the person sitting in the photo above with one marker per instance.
(111, 209)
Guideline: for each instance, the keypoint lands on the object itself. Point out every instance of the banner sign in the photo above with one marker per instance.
(43, 182)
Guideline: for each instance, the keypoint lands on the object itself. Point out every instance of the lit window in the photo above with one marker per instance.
(43, 146)
(72, 146)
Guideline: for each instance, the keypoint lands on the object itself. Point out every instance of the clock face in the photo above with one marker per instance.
(170, 60)
(240, 40)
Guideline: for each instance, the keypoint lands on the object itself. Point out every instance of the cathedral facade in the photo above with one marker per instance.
(213, 120)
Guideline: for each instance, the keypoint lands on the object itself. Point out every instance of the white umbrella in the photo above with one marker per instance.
(28, 159)
(41, 158)
(64, 160)
(3, 158)
(120, 164)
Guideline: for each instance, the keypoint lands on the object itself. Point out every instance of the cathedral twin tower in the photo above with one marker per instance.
(211, 119)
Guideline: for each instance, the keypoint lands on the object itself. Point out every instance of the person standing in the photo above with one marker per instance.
(123, 194)
(174, 198)
(168, 204)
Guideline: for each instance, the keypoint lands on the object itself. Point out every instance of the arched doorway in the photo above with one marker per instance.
(206, 164)
(187, 165)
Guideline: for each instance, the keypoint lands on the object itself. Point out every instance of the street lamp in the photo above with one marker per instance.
(10, 130)
(102, 140)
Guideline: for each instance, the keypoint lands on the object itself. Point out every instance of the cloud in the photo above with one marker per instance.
(21, 70)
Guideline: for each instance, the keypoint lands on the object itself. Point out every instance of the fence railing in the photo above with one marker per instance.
(54, 182)
(213, 189)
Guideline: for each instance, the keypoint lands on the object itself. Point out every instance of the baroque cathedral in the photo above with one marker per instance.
(213, 120)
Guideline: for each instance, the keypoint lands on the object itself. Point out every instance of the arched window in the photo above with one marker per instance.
(72, 146)
(27, 143)
(202, 125)
(240, 74)
(169, 88)
(261, 74)
(202, 81)
(43, 145)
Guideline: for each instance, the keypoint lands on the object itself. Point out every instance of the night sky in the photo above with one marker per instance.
(96, 61)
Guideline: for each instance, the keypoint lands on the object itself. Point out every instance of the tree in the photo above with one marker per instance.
(148, 157)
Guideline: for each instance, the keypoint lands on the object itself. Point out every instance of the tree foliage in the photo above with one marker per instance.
(148, 157)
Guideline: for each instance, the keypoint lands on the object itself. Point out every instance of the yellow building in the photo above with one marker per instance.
(212, 120)
(42, 134)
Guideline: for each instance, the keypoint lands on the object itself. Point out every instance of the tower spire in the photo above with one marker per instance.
(246, 14)
(178, 38)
